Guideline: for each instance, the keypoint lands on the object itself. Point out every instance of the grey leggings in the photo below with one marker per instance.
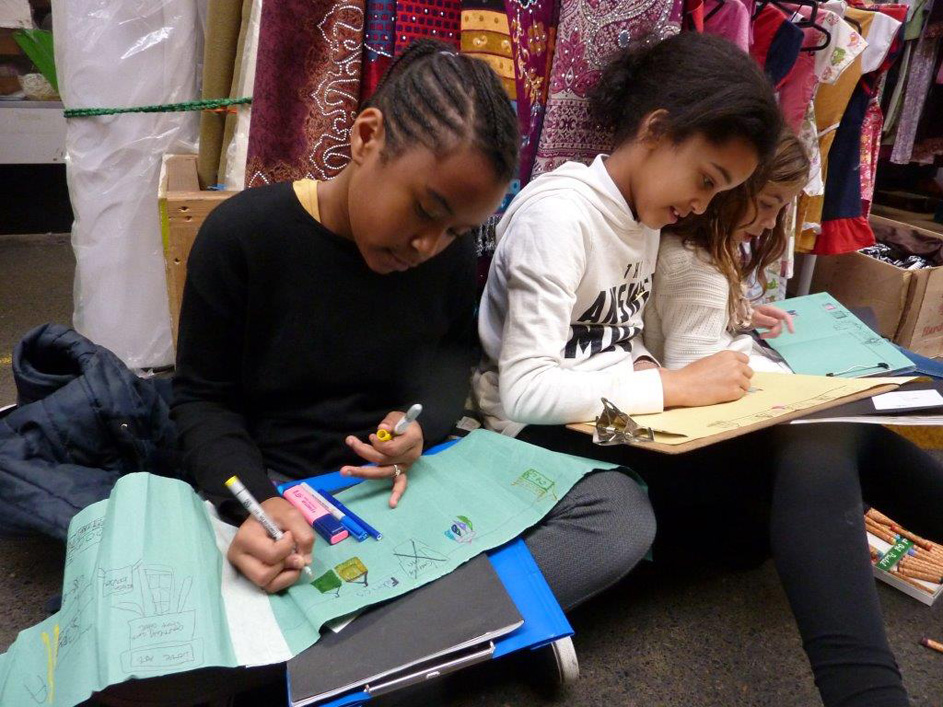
(593, 537)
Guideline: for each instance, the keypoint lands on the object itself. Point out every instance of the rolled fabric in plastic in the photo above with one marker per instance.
(119, 54)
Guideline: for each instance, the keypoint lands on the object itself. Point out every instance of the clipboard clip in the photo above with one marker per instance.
(862, 367)
(615, 427)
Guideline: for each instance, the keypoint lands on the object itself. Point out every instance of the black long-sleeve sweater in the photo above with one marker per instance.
(288, 343)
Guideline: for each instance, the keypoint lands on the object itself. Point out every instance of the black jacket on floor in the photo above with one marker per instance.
(82, 420)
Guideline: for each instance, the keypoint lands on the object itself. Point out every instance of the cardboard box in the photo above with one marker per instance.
(183, 208)
(908, 303)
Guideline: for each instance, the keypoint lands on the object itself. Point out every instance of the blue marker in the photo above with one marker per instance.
(373, 532)
(352, 527)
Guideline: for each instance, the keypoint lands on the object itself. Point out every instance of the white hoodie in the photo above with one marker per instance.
(561, 315)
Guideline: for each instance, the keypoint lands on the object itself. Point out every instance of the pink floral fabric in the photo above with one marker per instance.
(589, 32)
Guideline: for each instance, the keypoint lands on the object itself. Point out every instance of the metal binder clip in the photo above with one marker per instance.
(615, 427)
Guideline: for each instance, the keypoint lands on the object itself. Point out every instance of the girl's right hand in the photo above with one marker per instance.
(719, 378)
(273, 565)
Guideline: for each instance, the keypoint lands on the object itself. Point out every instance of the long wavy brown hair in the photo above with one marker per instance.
(712, 232)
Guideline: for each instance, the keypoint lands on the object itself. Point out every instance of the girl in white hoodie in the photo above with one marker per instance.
(560, 323)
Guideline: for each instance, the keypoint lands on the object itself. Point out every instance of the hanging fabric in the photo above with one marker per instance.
(918, 84)
(590, 31)
(928, 140)
(486, 35)
(379, 43)
(729, 19)
(438, 19)
(776, 43)
(845, 226)
(307, 85)
(533, 26)
(831, 100)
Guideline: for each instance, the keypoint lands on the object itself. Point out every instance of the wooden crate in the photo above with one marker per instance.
(183, 208)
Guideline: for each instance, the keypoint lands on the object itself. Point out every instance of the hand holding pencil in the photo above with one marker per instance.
(392, 456)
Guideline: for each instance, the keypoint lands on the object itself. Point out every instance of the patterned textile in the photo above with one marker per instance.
(922, 62)
(378, 44)
(438, 19)
(533, 26)
(486, 34)
(929, 138)
(589, 32)
(307, 83)
(870, 149)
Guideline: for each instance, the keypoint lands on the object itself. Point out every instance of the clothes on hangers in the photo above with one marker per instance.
(918, 84)
(777, 43)
(928, 141)
(844, 228)
(729, 19)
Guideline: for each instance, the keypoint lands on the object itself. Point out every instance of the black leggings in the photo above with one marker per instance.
(801, 489)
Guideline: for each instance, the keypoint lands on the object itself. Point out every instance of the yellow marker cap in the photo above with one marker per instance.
(384, 435)
(231, 480)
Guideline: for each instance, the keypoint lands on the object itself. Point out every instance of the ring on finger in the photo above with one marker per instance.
(397, 471)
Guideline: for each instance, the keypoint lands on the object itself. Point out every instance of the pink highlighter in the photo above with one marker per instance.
(326, 525)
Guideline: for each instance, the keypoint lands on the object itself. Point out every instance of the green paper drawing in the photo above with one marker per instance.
(147, 590)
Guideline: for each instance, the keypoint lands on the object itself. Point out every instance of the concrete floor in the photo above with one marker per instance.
(699, 637)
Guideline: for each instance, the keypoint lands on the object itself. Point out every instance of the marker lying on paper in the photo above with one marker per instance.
(352, 516)
(400, 427)
(316, 514)
(352, 526)
(245, 497)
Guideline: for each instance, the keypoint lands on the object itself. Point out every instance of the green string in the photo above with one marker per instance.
(208, 104)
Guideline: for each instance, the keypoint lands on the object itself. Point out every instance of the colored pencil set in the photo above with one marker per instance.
(922, 560)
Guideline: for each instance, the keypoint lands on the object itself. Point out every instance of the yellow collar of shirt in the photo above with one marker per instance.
(307, 192)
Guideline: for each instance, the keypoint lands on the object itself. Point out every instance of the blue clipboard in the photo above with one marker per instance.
(544, 620)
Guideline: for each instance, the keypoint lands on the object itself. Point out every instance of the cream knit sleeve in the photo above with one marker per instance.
(689, 303)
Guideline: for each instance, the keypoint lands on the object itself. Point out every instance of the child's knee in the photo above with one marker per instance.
(630, 523)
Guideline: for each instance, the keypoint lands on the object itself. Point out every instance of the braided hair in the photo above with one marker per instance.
(434, 97)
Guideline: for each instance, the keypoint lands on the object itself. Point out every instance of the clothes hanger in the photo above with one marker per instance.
(714, 10)
(790, 8)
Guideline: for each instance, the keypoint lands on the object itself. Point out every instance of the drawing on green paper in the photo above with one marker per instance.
(536, 483)
(328, 582)
(353, 570)
(461, 530)
(83, 538)
(162, 635)
(416, 557)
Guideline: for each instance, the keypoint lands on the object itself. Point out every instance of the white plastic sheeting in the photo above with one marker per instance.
(116, 54)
